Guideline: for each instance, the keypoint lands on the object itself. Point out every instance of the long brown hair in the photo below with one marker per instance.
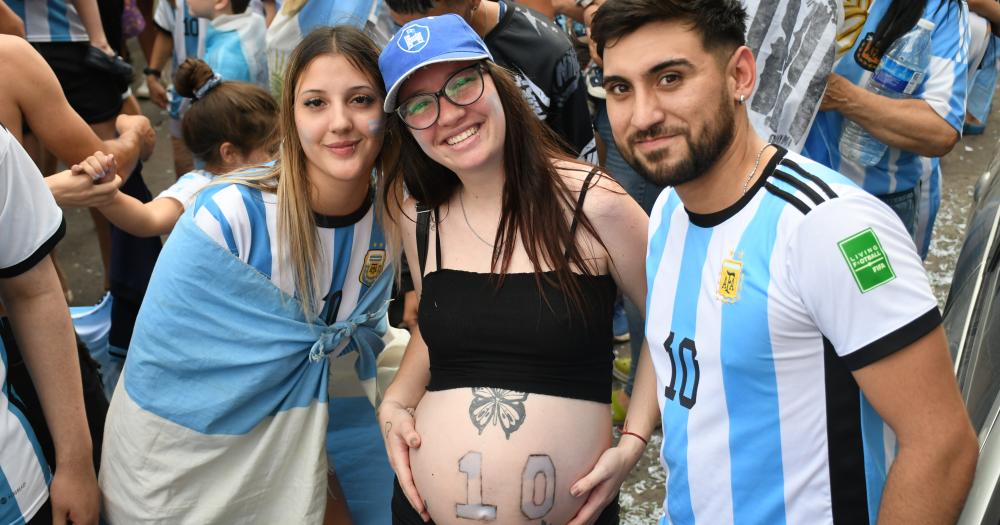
(535, 196)
(296, 223)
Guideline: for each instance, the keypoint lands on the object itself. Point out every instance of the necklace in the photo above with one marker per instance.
(467, 223)
(756, 163)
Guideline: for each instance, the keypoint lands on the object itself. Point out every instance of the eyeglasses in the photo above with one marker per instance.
(462, 88)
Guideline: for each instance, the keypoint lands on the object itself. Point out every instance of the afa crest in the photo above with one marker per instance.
(373, 267)
(730, 280)
(867, 55)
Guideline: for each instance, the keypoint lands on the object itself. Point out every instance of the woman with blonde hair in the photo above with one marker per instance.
(221, 413)
(500, 404)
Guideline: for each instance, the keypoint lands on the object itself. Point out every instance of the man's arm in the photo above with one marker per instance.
(908, 124)
(90, 15)
(854, 268)
(37, 93)
(42, 327)
(914, 391)
(163, 44)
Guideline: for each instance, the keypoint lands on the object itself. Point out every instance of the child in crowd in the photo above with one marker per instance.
(234, 41)
(189, 29)
(230, 125)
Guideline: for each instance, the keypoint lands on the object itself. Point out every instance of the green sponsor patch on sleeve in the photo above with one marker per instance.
(867, 260)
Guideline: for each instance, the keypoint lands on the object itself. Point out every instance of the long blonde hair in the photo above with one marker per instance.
(287, 178)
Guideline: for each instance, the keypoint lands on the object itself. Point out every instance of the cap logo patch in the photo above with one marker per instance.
(414, 38)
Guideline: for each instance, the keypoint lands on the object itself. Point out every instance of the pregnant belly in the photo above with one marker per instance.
(494, 455)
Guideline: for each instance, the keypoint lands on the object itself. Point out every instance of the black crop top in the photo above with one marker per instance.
(479, 335)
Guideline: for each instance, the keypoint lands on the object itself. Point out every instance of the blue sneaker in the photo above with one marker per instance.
(620, 323)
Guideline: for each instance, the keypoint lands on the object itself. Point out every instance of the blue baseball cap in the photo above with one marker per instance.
(423, 42)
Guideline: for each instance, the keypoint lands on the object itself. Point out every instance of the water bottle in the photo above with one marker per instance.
(898, 75)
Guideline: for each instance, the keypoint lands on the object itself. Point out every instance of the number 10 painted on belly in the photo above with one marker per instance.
(537, 466)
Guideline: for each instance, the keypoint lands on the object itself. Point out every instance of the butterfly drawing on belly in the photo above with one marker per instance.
(497, 406)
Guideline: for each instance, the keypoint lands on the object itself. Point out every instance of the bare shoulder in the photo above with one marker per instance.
(11, 46)
(17, 54)
(605, 198)
(13, 52)
(34, 79)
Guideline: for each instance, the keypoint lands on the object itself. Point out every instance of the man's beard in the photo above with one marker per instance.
(704, 152)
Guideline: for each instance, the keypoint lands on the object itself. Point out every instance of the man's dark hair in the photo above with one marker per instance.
(410, 6)
(721, 23)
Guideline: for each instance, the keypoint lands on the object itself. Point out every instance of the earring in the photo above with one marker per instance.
(742, 99)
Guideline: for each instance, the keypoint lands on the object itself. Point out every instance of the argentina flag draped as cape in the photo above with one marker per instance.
(221, 413)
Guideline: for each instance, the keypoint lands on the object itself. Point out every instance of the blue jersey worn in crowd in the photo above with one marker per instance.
(49, 20)
(898, 74)
(24, 473)
(221, 414)
(757, 315)
(943, 87)
(234, 48)
(188, 33)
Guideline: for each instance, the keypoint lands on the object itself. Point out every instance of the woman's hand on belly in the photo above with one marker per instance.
(400, 437)
(496, 455)
(601, 485)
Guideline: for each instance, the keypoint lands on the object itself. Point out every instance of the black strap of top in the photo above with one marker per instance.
(423, 231)
(579, 203)
(424, 223)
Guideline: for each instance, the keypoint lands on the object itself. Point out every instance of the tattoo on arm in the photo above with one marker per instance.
(493, 406)
(474, 509)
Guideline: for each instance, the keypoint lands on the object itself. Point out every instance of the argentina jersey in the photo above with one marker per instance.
(24, 473)
(244, 221)
(234, 48)
(31, 224)
(756, 317)
(50, 20)
(225, 389)
(188, 32)
(944, 87)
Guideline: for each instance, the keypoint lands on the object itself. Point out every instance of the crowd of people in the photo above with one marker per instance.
(741, 189)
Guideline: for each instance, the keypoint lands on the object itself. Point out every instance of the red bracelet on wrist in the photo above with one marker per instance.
(645, 442)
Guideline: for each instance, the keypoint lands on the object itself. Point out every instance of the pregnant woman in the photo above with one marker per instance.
(501, 402)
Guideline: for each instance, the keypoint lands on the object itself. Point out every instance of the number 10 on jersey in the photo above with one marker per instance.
(685, 355)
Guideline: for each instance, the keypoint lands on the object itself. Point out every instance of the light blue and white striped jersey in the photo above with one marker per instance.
(187, 187)
(234, 48)
(50, 20)
(188, 33)
(756, 316)
(30, 226)
(222, 411)
(293, 22)
(244, 221)
(944, 88)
